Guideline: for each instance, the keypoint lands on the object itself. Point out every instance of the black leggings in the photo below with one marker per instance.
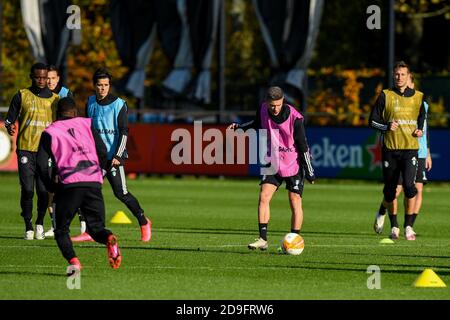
(29, 179)
(117, 179)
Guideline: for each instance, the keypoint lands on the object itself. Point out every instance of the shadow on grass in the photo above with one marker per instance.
(398, 255)
(145, 247)
(381, 265)
(11, 237)
(394, 268)
(190, 249)
(209, 231)
(339, 233)
(33, 273)
(363, 268)
(252, 232)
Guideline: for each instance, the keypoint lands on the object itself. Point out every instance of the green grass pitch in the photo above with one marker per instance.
(201, 228)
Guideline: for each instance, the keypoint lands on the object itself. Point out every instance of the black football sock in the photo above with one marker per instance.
(414, 216)
(28, 224)
(40, 218)
(263, 231)
(295, 231)
(140, 216)
(382, 210)
(393, 219)
(409, 220)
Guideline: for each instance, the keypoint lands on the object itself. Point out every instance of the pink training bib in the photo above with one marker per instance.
(73, 147)
(281, 140)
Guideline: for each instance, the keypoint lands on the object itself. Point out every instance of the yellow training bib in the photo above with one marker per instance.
(404, 110)
(35, 115)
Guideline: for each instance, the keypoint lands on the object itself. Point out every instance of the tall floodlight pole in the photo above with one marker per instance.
(221, 62)
(391, 43)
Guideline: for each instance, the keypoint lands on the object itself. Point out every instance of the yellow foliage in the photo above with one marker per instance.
(327, 108)
(16, 54)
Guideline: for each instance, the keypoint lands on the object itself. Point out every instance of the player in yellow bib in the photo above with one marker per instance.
(34, 109)
(399, 114)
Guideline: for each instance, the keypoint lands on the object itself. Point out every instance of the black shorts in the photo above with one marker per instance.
(293, 184)
(421, 175)
(396, 164)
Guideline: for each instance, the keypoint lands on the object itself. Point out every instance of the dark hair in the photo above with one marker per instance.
(66, 104)
(400, 64)
(52, 67)
(274, 93)
(38, 66)
(101, 73)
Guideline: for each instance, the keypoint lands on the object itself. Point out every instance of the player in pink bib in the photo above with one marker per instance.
(72, 150)
(289, 156)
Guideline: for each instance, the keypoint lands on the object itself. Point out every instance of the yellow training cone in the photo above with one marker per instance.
(386, 241)
(429, 279)
(120, 217)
